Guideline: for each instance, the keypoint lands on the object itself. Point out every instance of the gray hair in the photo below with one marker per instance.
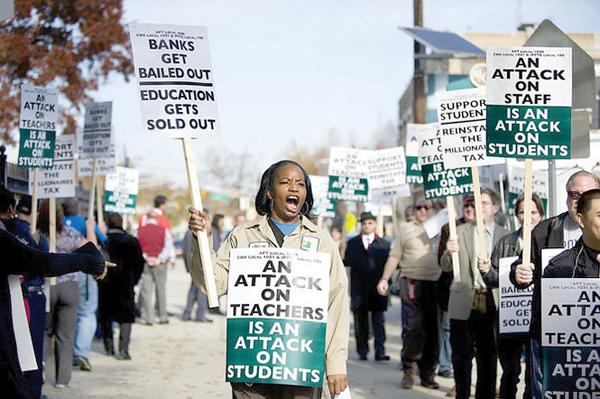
(582, 173)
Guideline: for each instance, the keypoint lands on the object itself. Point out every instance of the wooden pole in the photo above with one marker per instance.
(92, 189)
(452, 226)
(527, 211)
(99, 208)
(479, 212)
(380, 222)
(52, 224)
(203, 246)
(34, 203)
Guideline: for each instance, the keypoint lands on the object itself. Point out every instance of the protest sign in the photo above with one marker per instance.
(322, 205)
(571, 337)
(516, 181)
(348, 173)
(175, 78)
(120, 191)
(514, 303)
(37, 126)
(437, 181)
(96, 138)
(277, 316)
(173, 71)
(529, 102)
(386, 172)
(434, 224)
(413, 168)
(461, 116)
(59, 180)
(104, 165)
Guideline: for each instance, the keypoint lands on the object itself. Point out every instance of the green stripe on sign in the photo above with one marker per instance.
(535, 132)
(275, 351)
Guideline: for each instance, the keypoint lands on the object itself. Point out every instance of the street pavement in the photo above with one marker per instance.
(187, 360)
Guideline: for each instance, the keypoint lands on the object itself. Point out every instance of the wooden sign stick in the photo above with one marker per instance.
(479, 212)
(203, 246)
(99, 208)
(92, 189)
(527, 211)
(452, 227)
(380, 222)
(52, 224)
(34, 203)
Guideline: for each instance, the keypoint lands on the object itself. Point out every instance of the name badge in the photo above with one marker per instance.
(259, 244)
(310, 244)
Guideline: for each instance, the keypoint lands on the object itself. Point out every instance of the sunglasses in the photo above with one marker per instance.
(419, 207)
(574, 195)
(469, 206)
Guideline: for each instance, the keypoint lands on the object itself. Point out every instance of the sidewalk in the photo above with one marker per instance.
(187, 360)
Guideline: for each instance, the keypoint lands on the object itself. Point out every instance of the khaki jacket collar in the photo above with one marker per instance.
(262, 223)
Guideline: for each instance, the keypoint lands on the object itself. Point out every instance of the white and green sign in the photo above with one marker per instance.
(96, 139)
(175, 79)
(461, 115)
(438, 181)
(322, 205)
(570, 337)
(516, 182)
(413, 168)
(120, 191)
(37, 126)
(348, 189)
(386, 171)
(277, 316)
(59, 180)
(348, 174)
(529, 102)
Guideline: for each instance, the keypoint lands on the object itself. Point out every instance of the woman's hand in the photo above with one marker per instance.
(483, 264)
(337, 383)
(106, 266)
(198, 221)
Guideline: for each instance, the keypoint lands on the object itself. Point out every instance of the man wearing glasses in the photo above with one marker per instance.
(560, 231)
(419, 274)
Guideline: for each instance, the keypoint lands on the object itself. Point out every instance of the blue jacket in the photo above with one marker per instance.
(78, 223)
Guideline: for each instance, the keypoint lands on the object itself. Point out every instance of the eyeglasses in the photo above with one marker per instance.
(574, 195)
(419, 207)
(469, 206)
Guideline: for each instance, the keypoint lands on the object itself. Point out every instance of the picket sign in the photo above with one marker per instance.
(92, 191)
(203, 246)
(479, 212)
(527, 210)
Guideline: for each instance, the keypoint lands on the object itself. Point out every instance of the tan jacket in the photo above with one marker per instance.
(259, 233)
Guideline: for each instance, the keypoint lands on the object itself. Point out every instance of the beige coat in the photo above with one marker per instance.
(259, 233)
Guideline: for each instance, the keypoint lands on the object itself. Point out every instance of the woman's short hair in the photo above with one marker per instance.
(262, 201)
(584, 202)
(535, 198)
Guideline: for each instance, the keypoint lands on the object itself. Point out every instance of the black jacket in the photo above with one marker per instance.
(116, 297)
(505, 247)
(366, 268)
(563, 265)
(17, 258)
(547, 234)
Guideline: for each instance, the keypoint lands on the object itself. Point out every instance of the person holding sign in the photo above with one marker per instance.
(419, 272)
(471, 307)
(511, 348)
(560, 231)
(20, 259)
(284, 201)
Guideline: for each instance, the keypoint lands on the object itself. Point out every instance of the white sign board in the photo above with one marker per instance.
(121, 189)
(515, 304)
(348, 162)
(59, 180)
(104, 166)
(569, 316)
(96, 141)
(387, 174)
(175, 79)
(461, 115)
(322, 205)
(516, 181)
(39, 108)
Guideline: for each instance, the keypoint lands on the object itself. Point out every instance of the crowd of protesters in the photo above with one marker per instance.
(445, 324)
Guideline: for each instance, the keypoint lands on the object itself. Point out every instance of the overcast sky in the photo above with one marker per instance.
(293, 70)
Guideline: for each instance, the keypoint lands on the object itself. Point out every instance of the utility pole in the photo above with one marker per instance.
(419, 105)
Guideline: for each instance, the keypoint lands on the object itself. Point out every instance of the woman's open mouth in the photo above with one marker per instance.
(292, 202)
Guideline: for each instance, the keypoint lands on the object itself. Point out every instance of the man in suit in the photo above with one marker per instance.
(366, 255)
(471, 307)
